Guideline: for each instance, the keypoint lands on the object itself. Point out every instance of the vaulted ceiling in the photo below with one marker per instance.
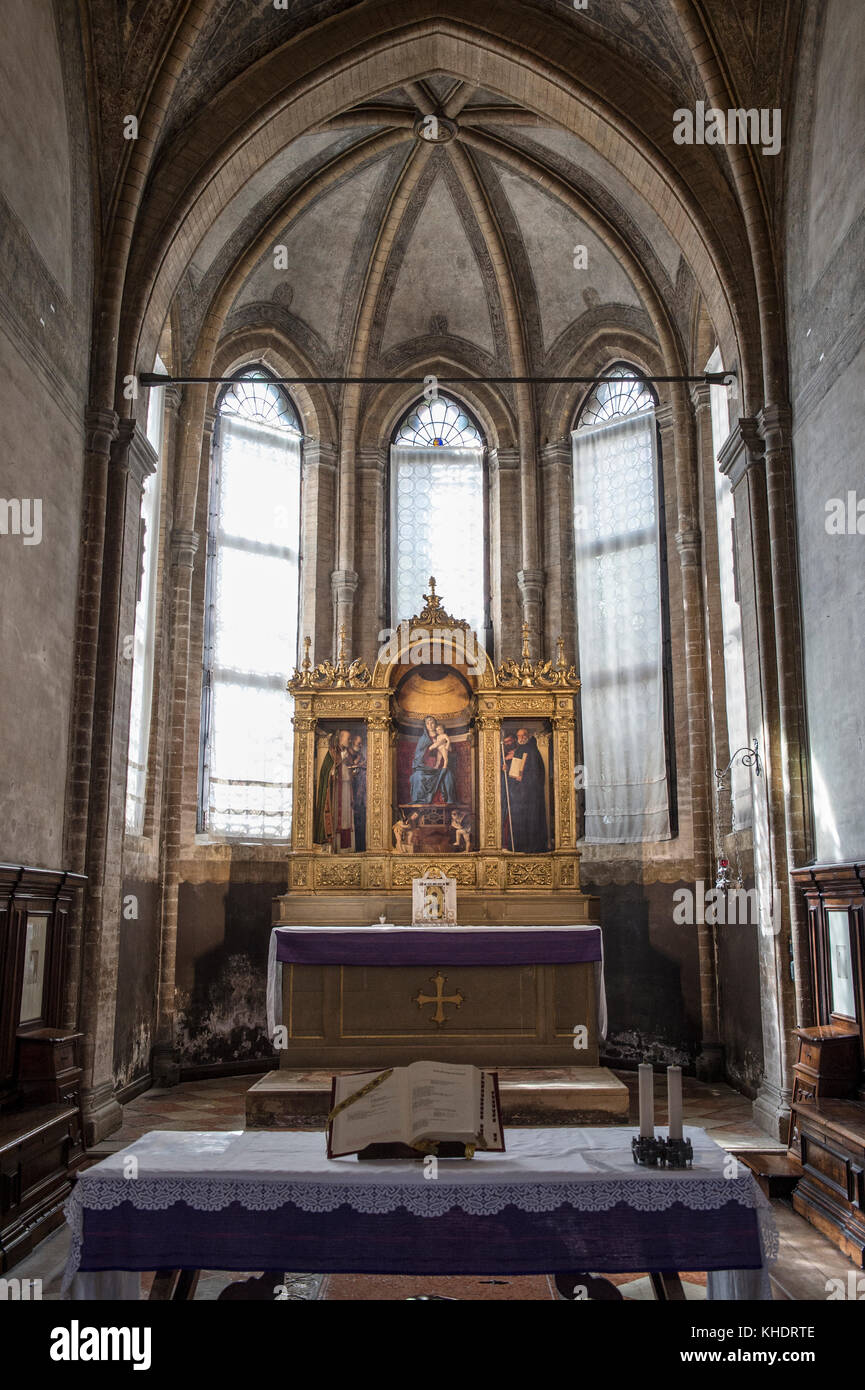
(274, 127)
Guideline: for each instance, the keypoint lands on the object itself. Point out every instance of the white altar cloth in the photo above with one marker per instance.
(586, 1170)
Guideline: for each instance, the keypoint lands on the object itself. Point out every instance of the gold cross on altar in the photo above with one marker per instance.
(438, 998)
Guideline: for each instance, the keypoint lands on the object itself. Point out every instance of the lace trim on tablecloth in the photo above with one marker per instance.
(432, 1198)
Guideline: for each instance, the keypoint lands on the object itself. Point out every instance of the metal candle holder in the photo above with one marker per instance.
(666, 1153)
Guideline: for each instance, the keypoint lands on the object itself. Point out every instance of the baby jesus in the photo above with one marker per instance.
(440, 745)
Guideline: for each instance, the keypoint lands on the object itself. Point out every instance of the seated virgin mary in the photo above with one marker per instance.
(427, 777)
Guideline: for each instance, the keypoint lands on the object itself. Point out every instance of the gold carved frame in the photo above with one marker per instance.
(349, 691)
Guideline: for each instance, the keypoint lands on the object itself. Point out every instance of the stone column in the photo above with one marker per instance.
(371, 606)
(505, 527)
(677, 444)
(101, 427)
(742, 460)
(132, 459)
(713, 618)
(774, 425)
(343, 584)
(557, 511)
(531, 584)
(317, 544)
(184, 545)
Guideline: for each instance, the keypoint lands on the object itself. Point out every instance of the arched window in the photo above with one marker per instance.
(621, 613)
(250, 640)
(438, 512)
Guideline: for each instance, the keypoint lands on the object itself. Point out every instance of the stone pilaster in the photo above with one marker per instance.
(131, 460)
(505, 528)
(557, 513)
(183, 547)
(531, 584)
(343, 584)
(742, 459)
(371, 605)
(317, 544)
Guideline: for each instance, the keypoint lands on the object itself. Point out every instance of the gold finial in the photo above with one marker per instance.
(525, 631)
(341, 657)
(560, 648)
(306, 663)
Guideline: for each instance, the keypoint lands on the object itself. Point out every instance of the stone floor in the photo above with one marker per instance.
(806, 1260)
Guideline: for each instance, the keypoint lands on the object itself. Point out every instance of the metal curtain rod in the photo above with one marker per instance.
(157, 379)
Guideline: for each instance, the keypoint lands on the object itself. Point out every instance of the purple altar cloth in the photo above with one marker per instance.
(447, 946)
(511, 1242)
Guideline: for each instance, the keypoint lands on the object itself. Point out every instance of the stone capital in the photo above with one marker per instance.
(503, 460)
(343, 584)
(133, 453)
(531, 584)
(371, 460)
(689, 544)
(319, 453)
(701, 396)
(184, 545)
(100, 429)
(665, 416)
(556, 453)
(742, 450)
(775, 426)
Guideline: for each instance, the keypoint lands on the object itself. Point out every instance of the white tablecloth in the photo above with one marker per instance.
(588, 1169)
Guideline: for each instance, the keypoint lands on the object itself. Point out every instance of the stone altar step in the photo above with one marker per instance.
(286, 1099)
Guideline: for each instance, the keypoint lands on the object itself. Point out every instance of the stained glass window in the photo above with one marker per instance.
(439, 424)
(611, 400)
(252, 614)
(619, 615)
(437, 513)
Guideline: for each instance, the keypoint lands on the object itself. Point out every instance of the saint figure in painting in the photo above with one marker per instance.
(524, 799)
(357, 763)
(334, 801)
(430, 774)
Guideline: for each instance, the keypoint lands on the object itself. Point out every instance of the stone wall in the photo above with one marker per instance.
(45, 283)
(825, 244)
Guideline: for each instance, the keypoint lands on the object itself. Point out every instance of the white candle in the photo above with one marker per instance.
(647, 1101)
(674, 1101)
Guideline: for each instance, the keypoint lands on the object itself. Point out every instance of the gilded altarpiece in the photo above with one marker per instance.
(434, 761)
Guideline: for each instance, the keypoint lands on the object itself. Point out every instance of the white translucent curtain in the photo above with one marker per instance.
(437, 528)
(731, 616)
(619, 618)
(255, 528)
(144, 636)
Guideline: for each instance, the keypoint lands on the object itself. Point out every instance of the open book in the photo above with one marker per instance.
(418, 1106)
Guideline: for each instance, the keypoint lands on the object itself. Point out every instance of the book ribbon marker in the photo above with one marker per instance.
(356, 1095)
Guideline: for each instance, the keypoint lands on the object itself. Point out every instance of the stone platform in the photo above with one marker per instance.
(530, 1096)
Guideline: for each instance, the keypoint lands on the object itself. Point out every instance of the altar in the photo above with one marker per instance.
(385, 995)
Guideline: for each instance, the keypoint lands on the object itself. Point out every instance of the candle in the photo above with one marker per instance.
(647, 1101)
(674, 1101)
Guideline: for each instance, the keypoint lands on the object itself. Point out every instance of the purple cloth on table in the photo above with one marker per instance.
(451, 946)
(617, 1240)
